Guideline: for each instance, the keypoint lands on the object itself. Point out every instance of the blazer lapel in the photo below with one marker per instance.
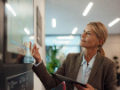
(95, 67)
(77, 65)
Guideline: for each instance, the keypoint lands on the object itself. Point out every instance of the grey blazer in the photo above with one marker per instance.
(102, 76)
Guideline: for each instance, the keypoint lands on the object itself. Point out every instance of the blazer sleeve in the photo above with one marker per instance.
(48, 81)
(110, 79)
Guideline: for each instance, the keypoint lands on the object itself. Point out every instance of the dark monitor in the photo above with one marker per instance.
(19, 30)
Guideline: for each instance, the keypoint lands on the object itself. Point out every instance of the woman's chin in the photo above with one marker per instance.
(81, 44)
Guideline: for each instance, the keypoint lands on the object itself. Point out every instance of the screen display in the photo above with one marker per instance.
(22, 81)
(19, 30)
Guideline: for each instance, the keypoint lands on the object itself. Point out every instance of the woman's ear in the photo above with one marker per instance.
(100, 42)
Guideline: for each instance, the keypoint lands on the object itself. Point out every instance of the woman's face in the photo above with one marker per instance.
(89, 38)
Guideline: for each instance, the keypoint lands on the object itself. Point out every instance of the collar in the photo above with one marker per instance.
(90, 64)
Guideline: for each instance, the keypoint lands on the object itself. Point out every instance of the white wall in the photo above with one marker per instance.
(112, 47)
(41, 4)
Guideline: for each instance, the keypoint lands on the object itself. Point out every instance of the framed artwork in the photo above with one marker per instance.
(39, 27)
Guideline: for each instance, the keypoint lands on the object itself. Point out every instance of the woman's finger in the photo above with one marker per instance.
(35, 47)
(35, 51)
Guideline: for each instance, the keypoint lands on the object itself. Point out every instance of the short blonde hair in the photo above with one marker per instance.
(101, 33)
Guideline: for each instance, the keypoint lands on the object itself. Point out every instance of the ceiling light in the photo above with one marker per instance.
(63, 42)
(27, 31)
(114, 22)
(31, 37)
(65, 37)
(53, 23)
(87, 9)
(74, 30)
(10, 9)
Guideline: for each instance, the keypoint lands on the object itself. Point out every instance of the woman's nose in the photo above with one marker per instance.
(83, 35)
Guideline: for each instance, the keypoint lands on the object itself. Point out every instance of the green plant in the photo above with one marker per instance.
(52, 61)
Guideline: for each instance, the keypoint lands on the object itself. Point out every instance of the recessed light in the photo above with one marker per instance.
(74, 30)
(87, 9)
(65, 37)
(31, 37)
(54, 23)
(114, 22)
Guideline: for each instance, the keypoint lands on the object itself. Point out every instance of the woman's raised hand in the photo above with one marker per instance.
(34, 52)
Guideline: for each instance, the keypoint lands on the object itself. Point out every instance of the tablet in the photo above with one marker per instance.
(66, 79)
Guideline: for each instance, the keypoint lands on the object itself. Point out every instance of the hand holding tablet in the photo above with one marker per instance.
(66, 79)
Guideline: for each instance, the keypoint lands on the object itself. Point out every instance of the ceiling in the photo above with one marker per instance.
(68, 15)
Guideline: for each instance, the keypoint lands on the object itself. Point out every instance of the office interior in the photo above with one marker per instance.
(51, 24)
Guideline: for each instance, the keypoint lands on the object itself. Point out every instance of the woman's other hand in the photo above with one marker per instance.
(34, 52)
(88, 87)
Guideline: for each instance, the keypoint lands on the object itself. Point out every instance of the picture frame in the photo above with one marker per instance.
(39, 27)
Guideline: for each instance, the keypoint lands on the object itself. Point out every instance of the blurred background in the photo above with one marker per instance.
(65, 21)
(56, 27)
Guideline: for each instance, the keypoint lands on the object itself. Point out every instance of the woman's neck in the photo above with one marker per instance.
(89, 53)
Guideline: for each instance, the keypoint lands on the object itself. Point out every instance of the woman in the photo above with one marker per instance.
(89, 67)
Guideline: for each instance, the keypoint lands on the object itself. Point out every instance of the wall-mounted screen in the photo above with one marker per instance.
(19, 30)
